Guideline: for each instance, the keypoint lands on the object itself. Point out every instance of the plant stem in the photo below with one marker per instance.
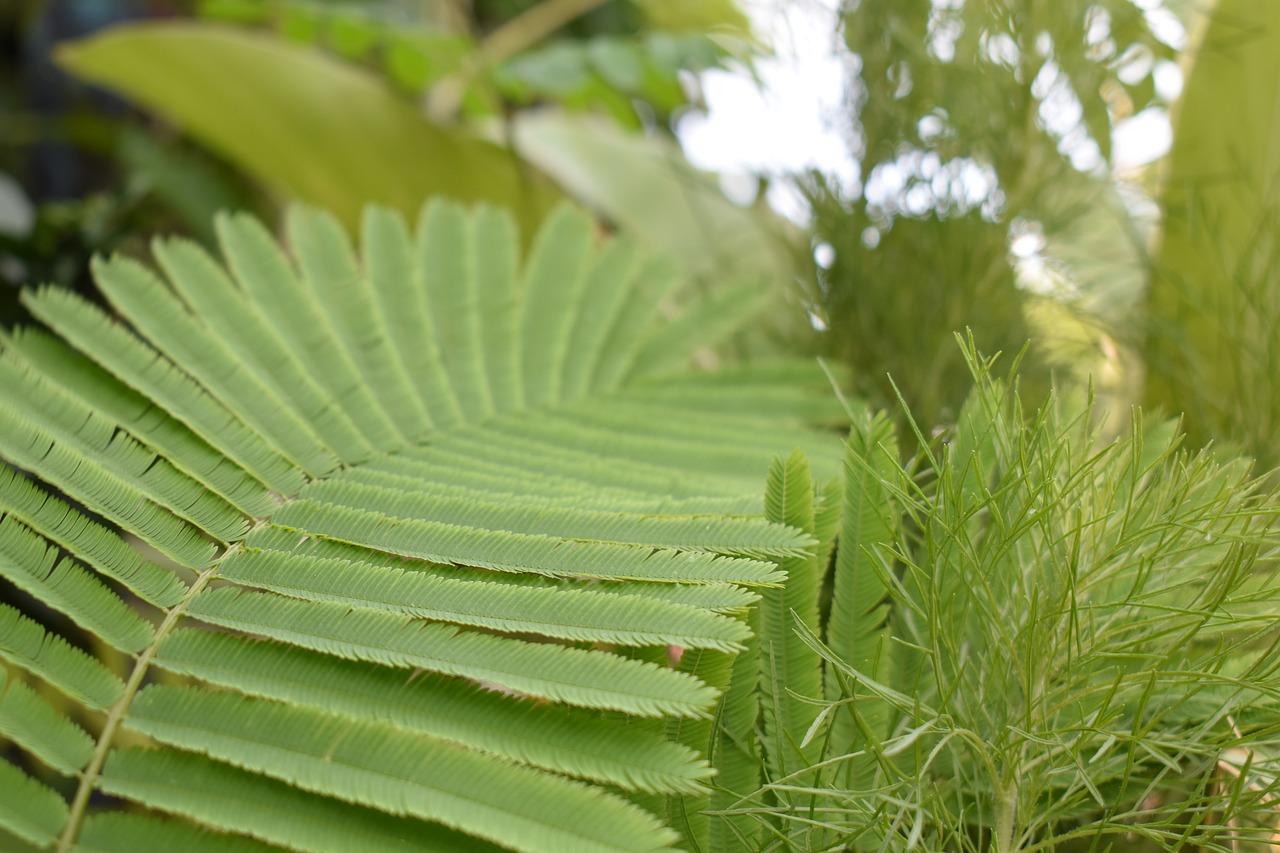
(1006, 808)
(116, 714)
(521, 32)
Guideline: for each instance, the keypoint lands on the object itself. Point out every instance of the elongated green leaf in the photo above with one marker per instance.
(605, 289)
(716, 534)
(790, 672)
(857, 630)
(561, 739)
(516, 552)
(577, 677)
(219, 795)
(257, 343)
(29, 809)
(28, 721)
(32, 564)
(512, 609)
(495, 263)
(399, 772)
(135, 364)
(118, 832)
(447, 257)
(706, 324)
(554, 277)
(153, 426)
(97, 546)
(736, 754)
(24, 643)
(505, 449)
(316, 127)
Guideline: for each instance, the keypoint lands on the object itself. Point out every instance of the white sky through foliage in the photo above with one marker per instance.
(797, 118)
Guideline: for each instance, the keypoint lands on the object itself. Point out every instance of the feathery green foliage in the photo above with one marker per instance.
(1037, 638)
(453, 507)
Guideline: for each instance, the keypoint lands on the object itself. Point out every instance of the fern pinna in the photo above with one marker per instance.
(378, 552)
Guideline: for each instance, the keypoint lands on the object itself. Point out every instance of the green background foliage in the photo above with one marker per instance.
(521, 525)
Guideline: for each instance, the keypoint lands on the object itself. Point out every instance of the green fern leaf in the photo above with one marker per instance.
(29, 809)
(858, 627)
(423, 480)
(273, 811)
(29, 721)
(399, 772)
(560, 739)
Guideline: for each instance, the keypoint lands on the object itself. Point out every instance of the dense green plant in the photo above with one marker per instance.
(1034, 639)
(445, 510)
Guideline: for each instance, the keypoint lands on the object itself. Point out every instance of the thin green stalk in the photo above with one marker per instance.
(521, 32)
(1006, 808)
(115, 716)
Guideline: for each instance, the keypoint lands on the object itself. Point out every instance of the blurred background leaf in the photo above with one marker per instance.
(1213, 350)
(300, 122)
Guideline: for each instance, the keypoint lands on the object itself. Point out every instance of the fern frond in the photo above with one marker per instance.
(707, 323)
(115, 349)
(640, 301)
(554, 278)
(29, 809)
(584, 678)
(31, 564)
(506, 449)
(252, 340)
(397, 282)
(790, 672)
(604, 291)
(25, 643)
(332, 274)
(460, 589)
(448, 258)
(736, 754)
(220, 795)
(597, 618)
(719, 598)
(398, 772)
(166, 436)
(28, 721)
(857, 630)
(97, 546)
(515, 552)
(561, 739)
(550, 493)
(156, 314)
(715, 460)
(715, 534)
(268, 278)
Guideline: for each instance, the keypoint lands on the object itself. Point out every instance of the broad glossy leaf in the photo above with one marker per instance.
(302, 122)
